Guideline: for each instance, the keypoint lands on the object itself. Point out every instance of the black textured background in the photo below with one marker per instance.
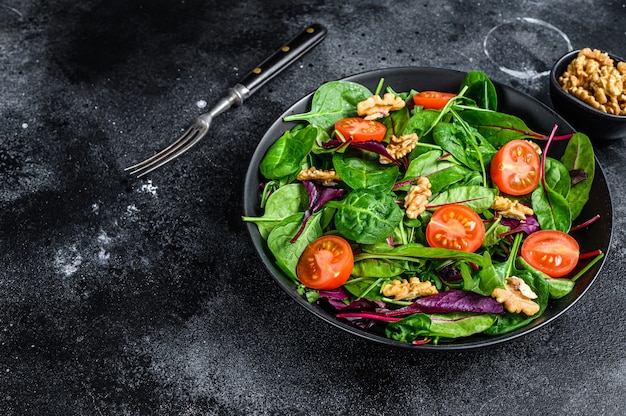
(121, 296)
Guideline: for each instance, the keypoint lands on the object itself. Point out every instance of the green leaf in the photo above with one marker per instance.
(282, 203)
(557, 176)
(579, 155)
(498, 128)
(441, 173)
(552, 209)
(439, 325)
(478, 198)
(366, 216)
(378, 268)
(480, 89)
(286, 155)
(360, 169)
(331, 102)
(287, 253)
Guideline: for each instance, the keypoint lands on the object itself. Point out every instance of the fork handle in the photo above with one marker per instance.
(284, 57)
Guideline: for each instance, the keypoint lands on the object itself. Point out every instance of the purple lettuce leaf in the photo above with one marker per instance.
(577, 176)
(318, 196)
(453, 300)
(528, 226)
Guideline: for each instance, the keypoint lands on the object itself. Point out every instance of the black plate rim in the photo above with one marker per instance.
(390, 75)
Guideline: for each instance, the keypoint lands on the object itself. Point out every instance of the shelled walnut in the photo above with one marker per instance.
(416, 199)
(399, 147)
(511, 209)
(409, 289)
(326, 177)
(516, 296)
(594, 78)
(376, 107)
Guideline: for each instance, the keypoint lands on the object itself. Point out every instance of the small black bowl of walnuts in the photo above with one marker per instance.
(588, 89)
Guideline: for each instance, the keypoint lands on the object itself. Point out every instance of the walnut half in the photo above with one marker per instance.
(399, 147)
(409, 289)
(511, 209)
(516, 296)
(376, 107)
(325, 177)
(416, 199)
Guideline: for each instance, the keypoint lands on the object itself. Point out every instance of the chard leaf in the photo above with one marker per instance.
(498, 128)
(579, 155)
(551, 209)
(476, 197)
(318, 196)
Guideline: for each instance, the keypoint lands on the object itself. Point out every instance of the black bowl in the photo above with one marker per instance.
(537, 116)
(596, 124)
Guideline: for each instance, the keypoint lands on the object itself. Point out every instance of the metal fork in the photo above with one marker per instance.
(235, 96)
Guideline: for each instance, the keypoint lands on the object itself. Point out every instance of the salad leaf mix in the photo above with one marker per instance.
(460, 263)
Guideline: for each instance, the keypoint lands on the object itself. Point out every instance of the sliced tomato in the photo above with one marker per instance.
(515, 168)
(326, 263)
(456, 227)
(550, 251)
(361, 130)
(432, 99)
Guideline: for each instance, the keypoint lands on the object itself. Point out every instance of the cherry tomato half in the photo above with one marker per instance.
(361, 130)
(325, 263)
(456, 227)
(553, 252)
(432, 99)
(515, 168)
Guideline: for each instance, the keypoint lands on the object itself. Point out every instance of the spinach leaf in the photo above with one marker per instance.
(282, 203)
(480, 89)
(396, 122)
(286, 252)
(286, 155)
(557, 176)
(441, 172)
(439, 325)
(378, 268)
(366, 287)
(331, 102)
(421, 122)
(559, 287)
(366, 216)
(360, 169)
(491, 276)
(579, 155)
(468, 147)
(478, 198)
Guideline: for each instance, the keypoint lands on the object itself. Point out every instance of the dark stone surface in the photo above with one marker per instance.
(121, 296)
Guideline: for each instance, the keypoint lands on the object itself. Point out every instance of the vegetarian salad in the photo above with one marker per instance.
(427, 215)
